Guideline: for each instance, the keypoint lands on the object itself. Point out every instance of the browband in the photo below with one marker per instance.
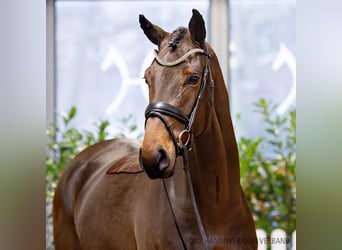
(179, 60)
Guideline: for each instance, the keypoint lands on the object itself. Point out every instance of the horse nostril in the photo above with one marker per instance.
(163, 159)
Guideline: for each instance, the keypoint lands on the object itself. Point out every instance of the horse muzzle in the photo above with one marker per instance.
(156, 164)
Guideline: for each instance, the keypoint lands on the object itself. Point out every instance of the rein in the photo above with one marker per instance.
(183, 145)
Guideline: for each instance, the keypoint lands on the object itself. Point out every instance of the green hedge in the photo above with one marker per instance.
(268, 170)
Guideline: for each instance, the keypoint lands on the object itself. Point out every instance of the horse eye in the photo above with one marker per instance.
(192, 79)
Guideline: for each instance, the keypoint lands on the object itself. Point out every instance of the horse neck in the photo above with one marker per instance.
(214, 161)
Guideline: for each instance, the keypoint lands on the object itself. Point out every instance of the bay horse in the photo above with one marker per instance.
(179, 188)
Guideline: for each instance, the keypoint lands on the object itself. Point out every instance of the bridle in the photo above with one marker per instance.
(162, 109)
(183, 144)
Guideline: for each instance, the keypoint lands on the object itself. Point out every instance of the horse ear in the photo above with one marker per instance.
(197, 27)
(153, 32)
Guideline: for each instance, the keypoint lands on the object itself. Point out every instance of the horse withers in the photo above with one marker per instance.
(179, 188)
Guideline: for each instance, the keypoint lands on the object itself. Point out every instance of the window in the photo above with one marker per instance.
(101, 54)
(262, 60)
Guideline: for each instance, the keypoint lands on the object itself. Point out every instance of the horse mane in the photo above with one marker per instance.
(176, 36)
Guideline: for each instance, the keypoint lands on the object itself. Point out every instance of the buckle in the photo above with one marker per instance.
(184, 139)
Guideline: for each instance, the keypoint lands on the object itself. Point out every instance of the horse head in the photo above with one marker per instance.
(177, 81)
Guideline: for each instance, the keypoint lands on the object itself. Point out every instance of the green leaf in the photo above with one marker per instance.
(72, 112)
(104, 125)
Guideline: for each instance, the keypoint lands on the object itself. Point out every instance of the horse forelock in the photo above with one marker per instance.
(176, 36)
